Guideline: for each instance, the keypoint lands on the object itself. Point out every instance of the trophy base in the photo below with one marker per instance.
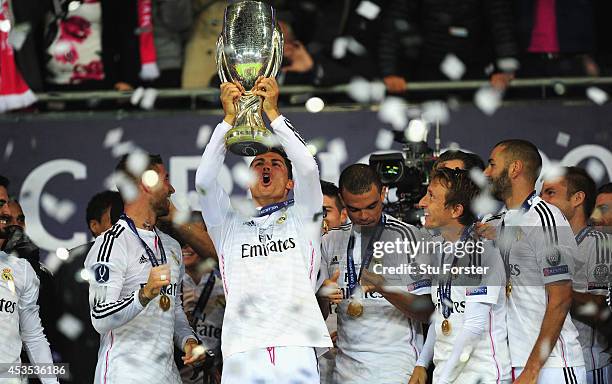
(247, 141)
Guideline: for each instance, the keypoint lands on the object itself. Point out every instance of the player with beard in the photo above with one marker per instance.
(602, 214)
(269, 261)
(574, 194)
(136, 273)
(537, 246)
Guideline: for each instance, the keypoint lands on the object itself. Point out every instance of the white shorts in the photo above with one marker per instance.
(274, 365)
(600, 376)
(571, 375)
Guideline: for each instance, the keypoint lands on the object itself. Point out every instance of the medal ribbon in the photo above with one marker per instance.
(505, 245)
(582, 234)
(149, 251)
(271, 208)
(204, 297)
(353, 278)
(445, 288)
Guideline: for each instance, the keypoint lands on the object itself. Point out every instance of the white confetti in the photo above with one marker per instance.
(137, 96)
(337, 147)
(384, 139)
(563, 139)
(392, 195)
(137, 162)
(393, 111)
(312, 149)
(355, 47)
(150, 178)
(59, 210)
(70, 326)
(559, 89)
(483, 204)
(597, 95)
(359, 90)
(125, 186)
(113, 137)
(18, 35)
(244, 176)
(436, 111)
(243, 206)
(596, 170)
(508, 64)
(62, 254)
(61, 48)
(466, 353)
(315, 105)
(84, 274)
(123, 149)
(488, 99)
(329, 166)
(453, 146)
(368, 9)
(73, 6)
(198, 350)
(203, 136)
(478, 177)
(378, 91)
(271, 141)
(339, 47)
(552, 171)
(5, 26)
(416, 131)
(452, 67)
(182, 215)
(401, 25)
(588, 309)
(8, 150)
(148, 98)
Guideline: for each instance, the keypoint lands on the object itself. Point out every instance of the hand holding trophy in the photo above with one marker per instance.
(249, 55)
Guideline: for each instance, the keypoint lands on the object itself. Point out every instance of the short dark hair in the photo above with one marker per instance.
(4, 182)
(283, 154)
(606, 188)
(100, 202)
(526, 152)
(460, 190)
(330, 190)
(577, 180)
(470, 160)
(153, 160)
(358, 179)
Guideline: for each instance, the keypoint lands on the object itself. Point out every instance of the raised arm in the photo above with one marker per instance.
(214, 200)
(307, 190)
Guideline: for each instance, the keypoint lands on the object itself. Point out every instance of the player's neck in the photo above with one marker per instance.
(578, 221)
(265, 201)
(452, 232)
(142, 215)
(519, 194)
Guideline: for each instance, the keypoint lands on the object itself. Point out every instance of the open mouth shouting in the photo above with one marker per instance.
(266, 179)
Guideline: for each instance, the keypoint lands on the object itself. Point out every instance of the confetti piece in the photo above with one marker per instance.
(596, 170)
(243, 206)
(452, 67)
(244, 176)
(150, 178)
(125, 186)
(508, 64)
(203, 136)
(59, 210)
(483, 204)
(478, 177)
(84, 274)
(563, 139)
(5, 26)
(8, 150)
(340, 47)
(359, 90)
(62, 254)
(315, 105)
(416, 131)
(329, 166)
(137, 162)
(393, 111)
(137, 96)
(384, 139)
(355, 47)
(73, 6)
(488, 99)
(436, 111)
(113, 137)
(148, 98)
(337, 147)
(597, 95)
(368, 9)
(588, 309)
(392, 195)
(70, 326)
(123, 149)
(18, 35)
(61, 48)
(552, 171)
(559, 89)
(271, 141)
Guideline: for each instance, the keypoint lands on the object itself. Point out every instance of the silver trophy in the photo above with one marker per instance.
(250, 45)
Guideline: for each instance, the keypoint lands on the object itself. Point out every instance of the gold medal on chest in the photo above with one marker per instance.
(164, 302)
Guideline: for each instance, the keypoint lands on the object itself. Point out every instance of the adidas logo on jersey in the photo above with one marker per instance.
(143, 260)
(334, 260)
(249, 223)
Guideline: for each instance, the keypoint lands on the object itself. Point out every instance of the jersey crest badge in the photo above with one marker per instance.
(601, 272)
(7, 274)
(553, 257)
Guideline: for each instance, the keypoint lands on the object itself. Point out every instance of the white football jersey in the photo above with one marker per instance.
(541, 252)
(269, 263)
(136, 343)
(19, 317)
(489, 361)
(382, 333)
(207, 329)
(592, 276)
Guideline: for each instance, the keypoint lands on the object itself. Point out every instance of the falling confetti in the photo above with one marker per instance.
(488, 99)
(340, 47)
(483, 204)
(315, 105)
(552, 171)
(148, 98)
(559, 89)
(18, 35)
(137, 162)
(123, 149)
(384, 139)
(368, 9)
(113, 137)
(508, 64)
(563, 139)
(5, 26)
(393, 111)
(62, 254)
(588, 309)
(73, 6)
(243, 175)
(59, 210)
(359, 90)
(452, 67)
(436, 111)
(355, 47)
(150, 178)
(127, 188)
(596, 170)
(61, 48)
(137, 96)
(8, 150)
(337, 147)
(271, 141)
(243, 206)
(478, 177)
(70, 326)
(597, 95)
(203, 136)
(416, 131)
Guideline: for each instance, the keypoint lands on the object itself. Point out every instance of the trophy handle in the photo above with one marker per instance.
(222, 68)
(274, 64)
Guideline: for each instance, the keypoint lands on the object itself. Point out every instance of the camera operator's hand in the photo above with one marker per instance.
(230, 93)
(267, 87)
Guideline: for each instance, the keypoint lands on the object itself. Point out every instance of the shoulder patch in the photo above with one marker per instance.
(101, 273)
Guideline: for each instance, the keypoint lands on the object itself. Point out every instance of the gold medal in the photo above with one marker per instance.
(446, 327)
(354, 309)
(164, 303)
(508, 288)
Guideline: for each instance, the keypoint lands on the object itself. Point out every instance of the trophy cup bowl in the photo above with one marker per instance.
(250, 45)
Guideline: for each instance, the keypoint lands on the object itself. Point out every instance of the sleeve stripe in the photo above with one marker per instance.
(400, 224)
(115, 310)
(406, 231)
(107, 245)
(101, 307)
(548, 223)
(288, 123)
(554, 224)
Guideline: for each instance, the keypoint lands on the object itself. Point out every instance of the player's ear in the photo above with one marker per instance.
(290, 184)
